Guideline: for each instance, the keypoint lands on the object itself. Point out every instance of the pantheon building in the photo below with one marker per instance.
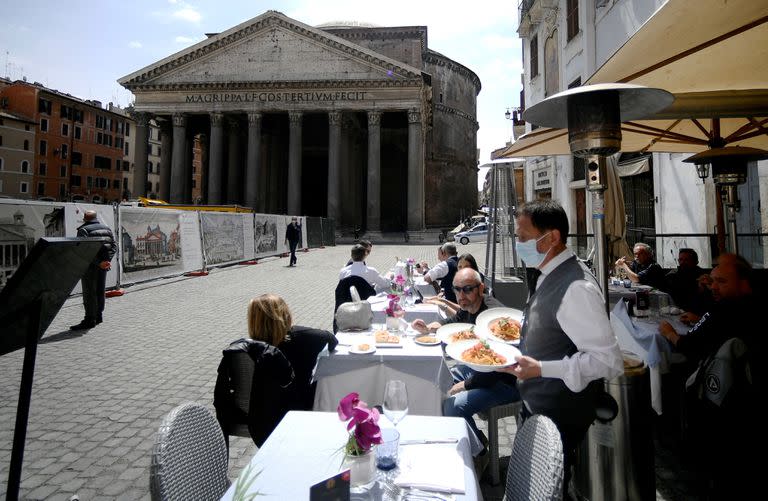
(365, 125)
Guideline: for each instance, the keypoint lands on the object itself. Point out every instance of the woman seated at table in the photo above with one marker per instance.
(450, 308)
(270, 320)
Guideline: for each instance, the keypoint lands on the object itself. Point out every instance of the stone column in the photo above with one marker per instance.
(294, 163)
(166, 144)
(139, 188)
(203, 138)
(234, 180)
(374, 172)
(415, 172)
(214, 160)
(178, 157)
(253, 168)
(188, 156)
(334, 161)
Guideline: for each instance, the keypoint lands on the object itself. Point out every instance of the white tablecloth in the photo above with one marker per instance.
(641, 336)
(305, 449)
(423, 369)
(425, 311)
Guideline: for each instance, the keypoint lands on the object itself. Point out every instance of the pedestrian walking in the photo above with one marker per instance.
(95, 277)
(292, 237)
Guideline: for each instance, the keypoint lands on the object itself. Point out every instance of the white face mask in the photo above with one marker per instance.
(528, 253)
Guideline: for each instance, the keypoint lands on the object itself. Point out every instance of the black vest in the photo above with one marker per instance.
(446, 283)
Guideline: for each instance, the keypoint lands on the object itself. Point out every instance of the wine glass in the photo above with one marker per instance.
(395, 401)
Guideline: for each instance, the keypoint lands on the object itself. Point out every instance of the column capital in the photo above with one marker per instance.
(254, 118)
(414, 116)
(179, 120)
(216, 119)
(374, 117)
(294, 117)
(141, 118)
(334, 118)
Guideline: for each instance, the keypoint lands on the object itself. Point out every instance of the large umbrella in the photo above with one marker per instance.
(615, 214)
(712, 55)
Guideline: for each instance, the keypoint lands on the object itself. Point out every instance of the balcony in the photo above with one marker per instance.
(532, 12)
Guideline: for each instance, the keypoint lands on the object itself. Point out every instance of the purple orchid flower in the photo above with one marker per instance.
(347, 406)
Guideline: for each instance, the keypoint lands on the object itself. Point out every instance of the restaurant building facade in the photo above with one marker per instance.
(356, 123)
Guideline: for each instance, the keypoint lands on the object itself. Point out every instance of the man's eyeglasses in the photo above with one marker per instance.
(466, 289)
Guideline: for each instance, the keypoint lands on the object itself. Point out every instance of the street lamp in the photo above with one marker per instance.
(507, 115)
(702, 170)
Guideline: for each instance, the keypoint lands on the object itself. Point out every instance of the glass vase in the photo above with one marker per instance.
(362, 470)
(393, 324)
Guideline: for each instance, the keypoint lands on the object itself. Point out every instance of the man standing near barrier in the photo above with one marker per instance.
(95, 278)
(292, 237)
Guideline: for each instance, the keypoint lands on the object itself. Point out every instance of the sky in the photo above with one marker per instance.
(82, 47)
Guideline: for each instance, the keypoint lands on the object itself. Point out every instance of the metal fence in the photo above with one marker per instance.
(320, 232)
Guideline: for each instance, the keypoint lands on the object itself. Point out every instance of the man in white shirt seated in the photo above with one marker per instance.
(360, 269)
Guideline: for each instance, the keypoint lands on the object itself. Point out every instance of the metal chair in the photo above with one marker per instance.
(536, 465)
(189, 458)
(493, 416)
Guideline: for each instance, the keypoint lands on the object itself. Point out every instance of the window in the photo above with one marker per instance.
(23, 187)
(1, 164)
(63, 171)
(43, 168)
(194, 183)
(89, 182)
(66, 111)
(126, 148)
(125, 183)
(26, 127)
(1, 140)
(149, 167)
(64, 151)
(78, 132)
(62, 191)
(79, 116)
(127, 129)
(75, 180)
(572, 18)
(26, 145)
(99, 138)
(40, 189)
(64, 129)
(535, 56)
(77, 158)
(43, 125)
(116, 184)
(44, 106)
(126, 165)
(159, 153)
(43, 147)
(117, 164)
(157, 187)
(24, 167)
(102, 162)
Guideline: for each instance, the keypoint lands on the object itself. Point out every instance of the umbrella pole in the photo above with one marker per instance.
(731, 202)
(720, 220)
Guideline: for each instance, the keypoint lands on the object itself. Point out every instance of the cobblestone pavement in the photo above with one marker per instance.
(100, 395)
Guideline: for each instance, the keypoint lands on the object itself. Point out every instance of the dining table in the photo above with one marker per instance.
(423, 369)
(640, 336)
(426, 311)
(306, 448)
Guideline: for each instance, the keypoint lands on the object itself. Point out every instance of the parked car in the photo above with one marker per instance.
(478, 233)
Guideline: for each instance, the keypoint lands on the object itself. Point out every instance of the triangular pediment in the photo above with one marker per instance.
(270, 48)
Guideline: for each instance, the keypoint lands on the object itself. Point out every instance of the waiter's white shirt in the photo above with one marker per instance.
(369, 273)
(438, 271)
(583, 318)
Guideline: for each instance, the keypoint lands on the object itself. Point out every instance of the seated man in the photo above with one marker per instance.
(685, 284)
(360, 269)
(368, 247)
(643, 270)
(444, 271)
(471, 299)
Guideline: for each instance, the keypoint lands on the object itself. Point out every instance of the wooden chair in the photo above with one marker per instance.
(536, 465)
(189, 458)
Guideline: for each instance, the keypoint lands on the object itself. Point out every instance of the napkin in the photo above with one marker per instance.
(432, 467)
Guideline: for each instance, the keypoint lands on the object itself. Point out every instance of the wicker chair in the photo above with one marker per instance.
(493, 416)
(189, 458)
(536, 466)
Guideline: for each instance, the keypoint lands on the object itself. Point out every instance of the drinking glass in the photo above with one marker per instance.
(395, 401)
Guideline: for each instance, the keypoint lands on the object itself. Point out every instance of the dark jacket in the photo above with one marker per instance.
(96, 229)
(271, 393)
(301, 347)
(293, 233)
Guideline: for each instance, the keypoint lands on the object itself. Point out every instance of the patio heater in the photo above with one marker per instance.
(593, 116)
(729, 170)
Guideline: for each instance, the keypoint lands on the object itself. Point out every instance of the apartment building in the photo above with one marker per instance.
(17, 143)
(78, 147)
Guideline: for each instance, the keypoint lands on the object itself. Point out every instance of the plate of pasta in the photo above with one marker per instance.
(483, 356)
(452, 333)
(500, 324)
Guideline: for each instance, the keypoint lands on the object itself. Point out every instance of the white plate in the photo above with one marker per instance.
(509, 352)
(355, 348)
(436, 342)
(491, 314)
(444, 332)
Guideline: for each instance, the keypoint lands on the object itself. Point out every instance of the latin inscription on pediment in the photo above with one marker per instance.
(274, 54)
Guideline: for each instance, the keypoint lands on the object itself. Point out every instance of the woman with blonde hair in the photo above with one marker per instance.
(270, 320)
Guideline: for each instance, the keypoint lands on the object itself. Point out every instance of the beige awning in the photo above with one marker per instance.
(712, 54)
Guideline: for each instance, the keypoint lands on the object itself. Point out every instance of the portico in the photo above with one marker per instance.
(320, 136)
